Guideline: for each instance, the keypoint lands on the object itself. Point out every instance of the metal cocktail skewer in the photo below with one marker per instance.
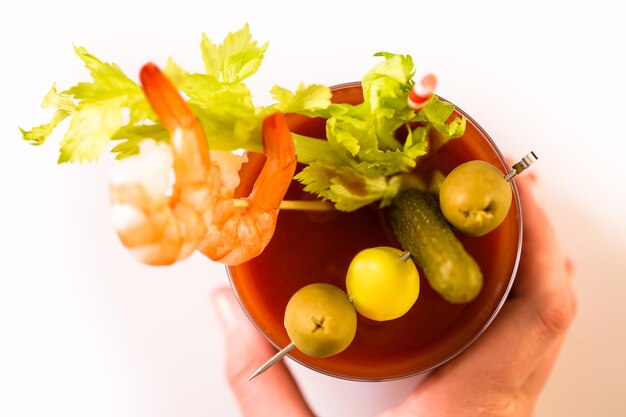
(271, 361)
(519, 167)
(284, 351)
(522, 165)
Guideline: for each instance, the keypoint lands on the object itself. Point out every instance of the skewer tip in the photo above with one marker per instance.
(255, 374)
(267, 365)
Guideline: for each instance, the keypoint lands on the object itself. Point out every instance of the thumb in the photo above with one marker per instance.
(274, 393)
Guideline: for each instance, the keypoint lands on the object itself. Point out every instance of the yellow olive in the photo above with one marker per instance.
(381, 285)
(320, 320)
(475, 198)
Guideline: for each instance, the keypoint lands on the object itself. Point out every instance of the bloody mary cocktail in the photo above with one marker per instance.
(314, 247)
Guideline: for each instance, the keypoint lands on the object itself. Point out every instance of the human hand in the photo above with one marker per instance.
(501, 374)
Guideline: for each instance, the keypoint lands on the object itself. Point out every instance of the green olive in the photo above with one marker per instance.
(381, 285)
(475, 198)
(320, 320)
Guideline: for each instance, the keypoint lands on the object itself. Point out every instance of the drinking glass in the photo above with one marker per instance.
(310, 247)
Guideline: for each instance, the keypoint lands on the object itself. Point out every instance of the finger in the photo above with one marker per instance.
(541, 254)
(538, 378)
(273, 393)
(543, 303)
(492, 368)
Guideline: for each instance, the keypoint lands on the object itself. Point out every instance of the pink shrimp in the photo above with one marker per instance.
(238, 233)
(162, 223)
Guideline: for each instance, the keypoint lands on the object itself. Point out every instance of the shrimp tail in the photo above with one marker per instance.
(239, 234)
(172, 110)
(191, 157)
(273, 181)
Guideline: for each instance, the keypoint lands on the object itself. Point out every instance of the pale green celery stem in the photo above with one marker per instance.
(391, 144)
(314, 150)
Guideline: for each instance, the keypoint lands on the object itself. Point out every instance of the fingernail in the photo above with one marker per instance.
(225, 309)
(533, 186)
(569, 266)
(538, 192)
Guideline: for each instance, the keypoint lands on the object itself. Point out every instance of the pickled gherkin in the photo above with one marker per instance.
(424, 232)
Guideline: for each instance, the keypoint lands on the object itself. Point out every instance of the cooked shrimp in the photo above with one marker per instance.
(163, 222)
(160, 222)
(239, 233)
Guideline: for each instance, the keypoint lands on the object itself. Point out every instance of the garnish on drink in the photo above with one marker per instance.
(320, 320)
(475, 198)
(369, 154)
(161, 229)
(381, 284)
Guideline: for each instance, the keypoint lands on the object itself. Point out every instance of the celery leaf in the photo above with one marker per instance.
(225, 109)
(131, 136)
(371, 160)
(65, 106)
(346, 187)
(306, 100)
(237, 58)
(362, 161)
(89, 133)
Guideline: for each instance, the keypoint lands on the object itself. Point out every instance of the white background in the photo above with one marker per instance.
(85, 330)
